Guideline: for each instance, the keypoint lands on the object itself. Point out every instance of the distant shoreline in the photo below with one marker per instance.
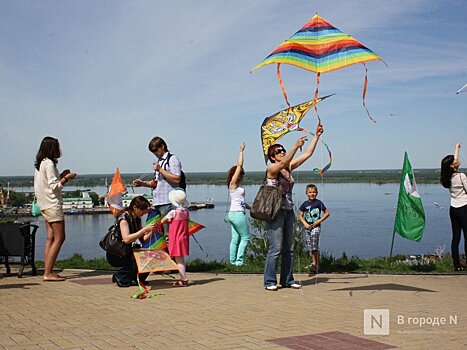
(422, 176)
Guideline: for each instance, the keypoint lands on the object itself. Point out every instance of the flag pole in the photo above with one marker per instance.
(392, 245)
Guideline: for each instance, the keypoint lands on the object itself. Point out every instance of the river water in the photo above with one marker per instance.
(361, 222)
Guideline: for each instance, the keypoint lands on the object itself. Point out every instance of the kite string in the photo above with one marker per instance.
(327, 166)
(144, 175)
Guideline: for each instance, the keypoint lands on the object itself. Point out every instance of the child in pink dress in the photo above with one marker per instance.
(179, 244)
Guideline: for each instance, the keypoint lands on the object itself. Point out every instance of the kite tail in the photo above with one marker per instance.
(315, 100)
(327, 166)
(281, 83)
(365, 85)
(144, 291)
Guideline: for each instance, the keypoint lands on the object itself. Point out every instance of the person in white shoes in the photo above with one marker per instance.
(280, 231)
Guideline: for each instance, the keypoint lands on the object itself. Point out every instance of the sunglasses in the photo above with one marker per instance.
(279, 150)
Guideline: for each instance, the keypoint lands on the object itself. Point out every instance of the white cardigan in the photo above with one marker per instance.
(458, 190)
(47, 185)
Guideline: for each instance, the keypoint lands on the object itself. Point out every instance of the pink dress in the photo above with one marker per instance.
(179, 244)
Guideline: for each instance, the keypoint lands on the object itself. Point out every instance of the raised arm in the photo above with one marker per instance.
(236, 176)
(309, 150)
(285, 161)
(456, 152)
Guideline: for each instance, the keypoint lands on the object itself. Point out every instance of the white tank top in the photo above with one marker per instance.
(237, 199)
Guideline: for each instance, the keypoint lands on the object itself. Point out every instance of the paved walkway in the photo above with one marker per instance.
(224, 311)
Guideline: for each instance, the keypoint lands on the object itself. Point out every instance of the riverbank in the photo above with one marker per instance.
(400, 264)
(26, 212)
(428, 176)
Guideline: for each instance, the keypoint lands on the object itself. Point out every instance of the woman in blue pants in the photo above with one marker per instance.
(237, 215)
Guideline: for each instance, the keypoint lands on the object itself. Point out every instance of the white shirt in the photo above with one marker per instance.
(458, 190)
(160, 194)
(47, 185)
(237, 199)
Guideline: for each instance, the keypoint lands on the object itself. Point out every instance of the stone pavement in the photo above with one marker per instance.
(227, 311)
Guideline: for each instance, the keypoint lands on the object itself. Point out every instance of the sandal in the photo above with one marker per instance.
(53, 279)
(180, 283)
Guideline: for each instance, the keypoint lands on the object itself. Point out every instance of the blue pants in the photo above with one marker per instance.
(281, 242)
(240, 237)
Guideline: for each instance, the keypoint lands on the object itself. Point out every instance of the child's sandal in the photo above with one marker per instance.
(180, 283)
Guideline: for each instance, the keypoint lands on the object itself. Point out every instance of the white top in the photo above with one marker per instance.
(458, 190)
(237, 199)
(161, 193)
(47, 185)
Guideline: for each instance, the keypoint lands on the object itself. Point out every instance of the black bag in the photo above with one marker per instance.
(112, 242)
(182, 183)
(267, 203)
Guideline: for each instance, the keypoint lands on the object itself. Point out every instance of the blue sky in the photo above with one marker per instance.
(104, 77)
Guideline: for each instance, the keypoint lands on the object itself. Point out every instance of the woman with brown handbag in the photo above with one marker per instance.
(280, 231)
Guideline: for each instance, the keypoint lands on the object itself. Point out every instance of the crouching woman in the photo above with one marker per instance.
(132, 231)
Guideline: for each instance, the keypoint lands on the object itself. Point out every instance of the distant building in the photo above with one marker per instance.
(129, 197)
(77, 203)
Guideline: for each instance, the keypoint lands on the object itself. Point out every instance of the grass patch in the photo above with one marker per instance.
(329, 264)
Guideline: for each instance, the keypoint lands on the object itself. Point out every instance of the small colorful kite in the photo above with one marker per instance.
(280, 123)
(157, 240)
(320, 47)
(116, 190)
(462, 89)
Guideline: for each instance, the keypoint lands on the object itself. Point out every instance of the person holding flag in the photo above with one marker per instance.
(456, 182)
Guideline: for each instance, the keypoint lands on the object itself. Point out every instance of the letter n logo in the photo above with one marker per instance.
(376, 321)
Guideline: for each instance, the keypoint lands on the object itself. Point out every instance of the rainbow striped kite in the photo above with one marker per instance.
(320, 47)
(157, 240)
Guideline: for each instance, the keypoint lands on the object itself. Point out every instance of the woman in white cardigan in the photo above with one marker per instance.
(456, 182)
(48, 184)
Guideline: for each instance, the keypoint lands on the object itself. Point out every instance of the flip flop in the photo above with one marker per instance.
(54, 279)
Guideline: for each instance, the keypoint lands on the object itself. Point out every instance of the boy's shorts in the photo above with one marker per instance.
(312, 238)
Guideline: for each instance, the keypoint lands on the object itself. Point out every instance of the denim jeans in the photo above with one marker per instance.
(281, 242)
(128, 271)
(240, 237)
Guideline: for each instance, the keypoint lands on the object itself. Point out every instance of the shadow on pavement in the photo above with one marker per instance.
(17, 286)
(315, 279)
(386, 286)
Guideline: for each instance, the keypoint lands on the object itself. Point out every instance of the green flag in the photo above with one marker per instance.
(410, 216)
